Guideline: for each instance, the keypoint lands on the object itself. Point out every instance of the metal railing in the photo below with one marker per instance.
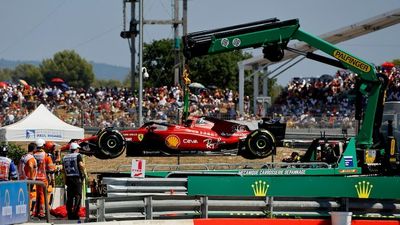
(225, 166)
(150, 207)
(121, 186)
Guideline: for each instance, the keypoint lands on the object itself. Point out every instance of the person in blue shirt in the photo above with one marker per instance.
(8, 170)
(74, 175)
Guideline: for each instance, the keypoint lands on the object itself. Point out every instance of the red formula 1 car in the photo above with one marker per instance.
(197, 135)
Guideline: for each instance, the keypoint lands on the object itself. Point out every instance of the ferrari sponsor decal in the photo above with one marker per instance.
(212, 143)
(351, 61)
(172, 141)
(202, 133)
(190, 141)
(223, 134)
(239, 135)
(140, 137)
(209, 143)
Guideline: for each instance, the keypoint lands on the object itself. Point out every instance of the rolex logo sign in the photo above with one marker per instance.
(260, 188)
(172, 141)
(363, 189)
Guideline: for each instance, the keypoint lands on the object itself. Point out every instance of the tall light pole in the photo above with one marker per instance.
(140, 103)
(131, 35)
(176, 23)
(132, 27)
(133, 31)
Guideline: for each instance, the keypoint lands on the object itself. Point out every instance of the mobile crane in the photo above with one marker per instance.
(346, 167)
(366, 153)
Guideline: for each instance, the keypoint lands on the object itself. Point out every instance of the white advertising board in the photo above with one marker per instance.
(138, 168)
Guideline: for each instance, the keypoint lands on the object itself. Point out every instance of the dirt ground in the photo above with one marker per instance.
(122, 163)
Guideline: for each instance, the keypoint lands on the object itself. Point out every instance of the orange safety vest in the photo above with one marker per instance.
(4, 168)
(27, 160)
(44, 165)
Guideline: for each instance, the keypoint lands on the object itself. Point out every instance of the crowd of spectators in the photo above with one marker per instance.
(305, 102)
(327, 101)
(102, 107)
(318, 102)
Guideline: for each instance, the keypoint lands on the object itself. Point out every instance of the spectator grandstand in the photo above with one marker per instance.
(102, 107)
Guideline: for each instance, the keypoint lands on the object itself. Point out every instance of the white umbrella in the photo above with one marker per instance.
(196, 85)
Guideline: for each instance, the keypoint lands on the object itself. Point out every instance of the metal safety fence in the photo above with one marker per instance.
(116, 187)
(149, 207)
(166, 198)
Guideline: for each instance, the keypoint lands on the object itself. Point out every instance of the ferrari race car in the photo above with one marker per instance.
(204, 135)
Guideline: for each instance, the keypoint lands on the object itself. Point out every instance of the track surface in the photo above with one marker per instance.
(122, 163)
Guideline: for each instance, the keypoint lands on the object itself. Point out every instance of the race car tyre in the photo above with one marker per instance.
(111, 144)
(260, 144)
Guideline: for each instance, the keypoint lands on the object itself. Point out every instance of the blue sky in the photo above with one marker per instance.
(35, 30)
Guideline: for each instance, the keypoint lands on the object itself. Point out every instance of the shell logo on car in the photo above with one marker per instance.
(172, 141)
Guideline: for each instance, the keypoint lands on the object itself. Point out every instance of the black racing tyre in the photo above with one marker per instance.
(111, 144)
(260, 144)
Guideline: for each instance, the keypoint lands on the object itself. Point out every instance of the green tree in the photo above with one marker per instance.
(275, 89)
(158, 58)
(28, 72)
(220, 70)
(69, 66)
(107, 83)
(5, 74)
(396, 62)
(15, 152)
(127, 80)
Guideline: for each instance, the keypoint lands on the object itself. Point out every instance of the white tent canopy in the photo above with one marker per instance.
(41, 123)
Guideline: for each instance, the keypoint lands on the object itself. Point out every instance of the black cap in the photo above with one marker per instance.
(3, 150)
